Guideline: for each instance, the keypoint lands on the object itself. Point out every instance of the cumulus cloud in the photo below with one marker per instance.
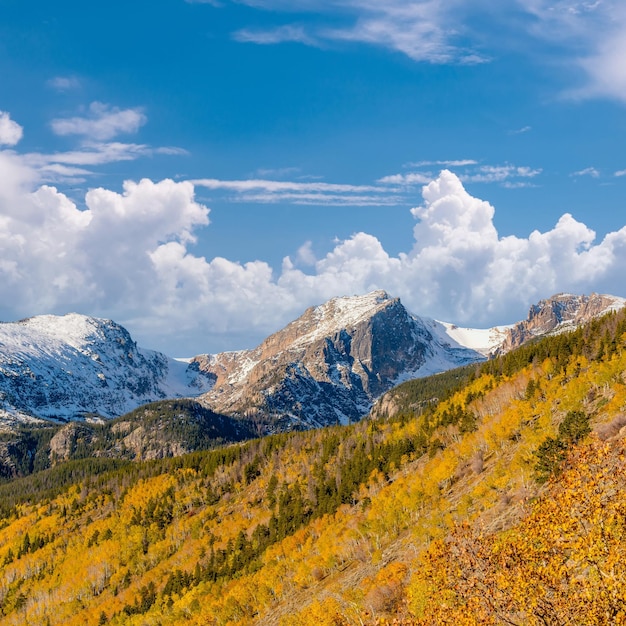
(57, 257)
(101, 123)
(306, 254)
(459, 269)
(129, 255)
(10, 132)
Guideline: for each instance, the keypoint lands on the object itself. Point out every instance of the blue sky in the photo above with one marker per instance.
(203, 171)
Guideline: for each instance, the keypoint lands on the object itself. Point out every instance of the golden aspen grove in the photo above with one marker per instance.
(494, 494)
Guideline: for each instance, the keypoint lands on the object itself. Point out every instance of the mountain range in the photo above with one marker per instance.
(326, 367)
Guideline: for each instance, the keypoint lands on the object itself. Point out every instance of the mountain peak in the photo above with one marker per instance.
(331, 363)
(73, 366)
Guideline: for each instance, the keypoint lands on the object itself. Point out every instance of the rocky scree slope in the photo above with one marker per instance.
(330, 364)
(73, 367)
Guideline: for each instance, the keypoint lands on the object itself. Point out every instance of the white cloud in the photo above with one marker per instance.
(297, 192)
(57, 257)
(306, 255)
(171, 151)
(510, 176)
(460, 268)
(322, 199)
(424, 30)
(130, 255)
(280, 172)
(445, 163)
(592, 35)
(586, 38)
(588, 171)
(606, 67)
(92, 154)
(279, 185)
(10, 132)
(71, 166)
(282, 34)
(102, 122)
(620, 173)
(414, 178)
(499, 173)
(64, 83)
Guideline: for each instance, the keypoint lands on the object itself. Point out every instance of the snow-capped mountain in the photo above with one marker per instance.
(330, 364)
(73, 366)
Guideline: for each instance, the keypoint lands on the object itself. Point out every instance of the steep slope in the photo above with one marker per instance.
(329, 365)
(73, 366)
(326, 367)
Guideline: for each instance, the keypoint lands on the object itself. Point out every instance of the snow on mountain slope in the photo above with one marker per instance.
(74, 366)
(484, 340)
(331, 363)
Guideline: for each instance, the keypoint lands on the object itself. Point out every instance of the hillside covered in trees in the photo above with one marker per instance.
(492, 495)
(158, 429)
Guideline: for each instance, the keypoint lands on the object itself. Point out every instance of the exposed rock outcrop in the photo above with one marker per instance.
(330, 364)
(559, 313)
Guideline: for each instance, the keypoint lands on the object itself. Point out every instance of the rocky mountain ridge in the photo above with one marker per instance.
(328, 366)
(332, 363)
(560, 313)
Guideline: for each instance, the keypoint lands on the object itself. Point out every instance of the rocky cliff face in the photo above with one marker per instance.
(559, 313)
(72, 367)
(330, 364)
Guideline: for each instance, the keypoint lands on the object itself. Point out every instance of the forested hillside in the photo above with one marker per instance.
(154, 430)
(489, 496)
